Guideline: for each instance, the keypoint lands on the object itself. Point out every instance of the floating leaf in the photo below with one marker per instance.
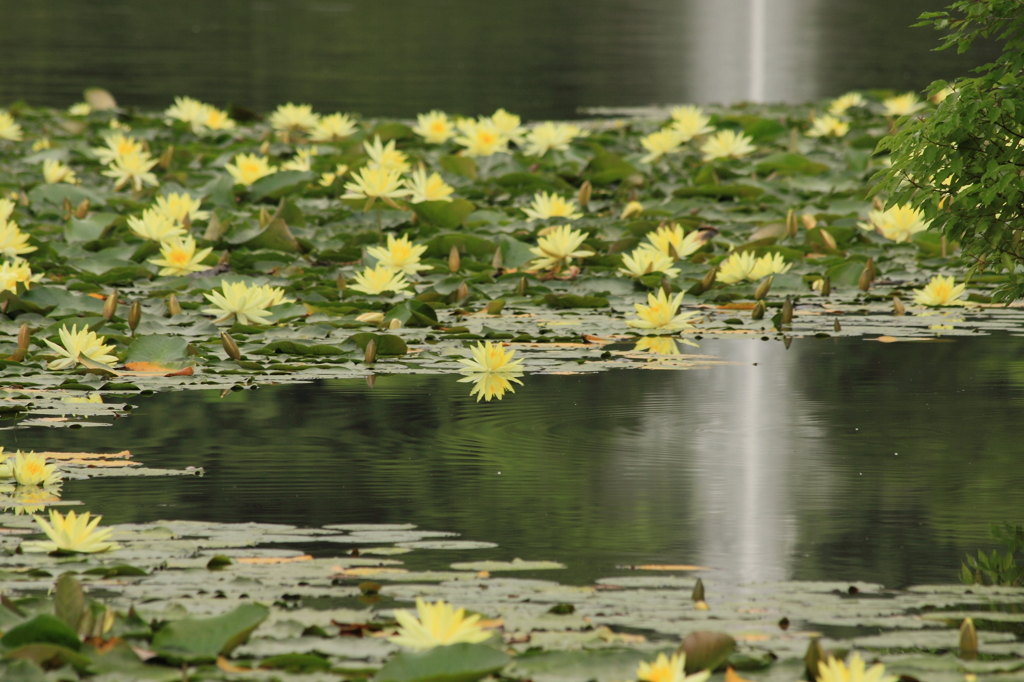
(453, 663)
(196, 640)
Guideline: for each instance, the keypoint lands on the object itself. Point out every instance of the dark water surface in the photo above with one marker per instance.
(839, 460)
(400, 57)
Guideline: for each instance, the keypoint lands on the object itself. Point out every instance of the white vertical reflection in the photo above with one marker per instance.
(738, 445)
(754, 50)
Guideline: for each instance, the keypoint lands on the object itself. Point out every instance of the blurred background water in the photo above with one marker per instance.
(540, 58)
(834, 460)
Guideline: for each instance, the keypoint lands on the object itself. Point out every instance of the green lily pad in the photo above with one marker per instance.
(196, 640)
(453, 663)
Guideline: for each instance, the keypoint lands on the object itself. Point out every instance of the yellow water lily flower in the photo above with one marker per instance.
(492, 357)
(660, 143)
(155, 225)
(215, 119)
(489, 385)
(480, 138)
(54, 171)
(898, 223)
(828, 126)
(631, 209)
(434, 127)
(903, 105)
(41, 144)
(669, 238)
(769, 264)
(645, 260)
(385, 156)
(661, 312)
(117, 146)
(248, 168)
(548, 135)
(13, 273)
(439, 624)
(558, 247)
(247, 304)
(332, 128)
(275, 295)
(13, 242)
(839, 105)
(187, 110)
(302, 161)
(727, 144)
(133, 168)
(400, 255)
(373, 183)
(837, 671)
(432, 188)
(79, 344)
(507, 125)
(690, 121)
(30, 468)
(665, 669)
(659, 345)
(377, 280)
(80, 109)
(9, 130)
(940, 291)
(545, 205)
(73, 533)
(6, 209)
(175, 206)
(293, 118)
(327, 179)
(179, 257)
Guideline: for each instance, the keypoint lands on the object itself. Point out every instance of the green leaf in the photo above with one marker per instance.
(387, 344)
(275, 236)
(296, 663)
(294, 348)
(788, 163)
(459, 165)
(195, 640)
(477, 247)
(846, 274)
(278, 184)
(574, 301)
(453, 663)
(412, 313)
(89, 229)
(706, 650)
(50, 656)
(116, 571)
(69, 601)
(606, 168)
(721, 191)
(57, 193)
(446, 214)
(43, 629)
(514, 253)
(602, 665)
(166, 351)
(392, 131)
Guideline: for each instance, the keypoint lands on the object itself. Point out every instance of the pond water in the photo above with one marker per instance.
(835, 459)
(535, 57)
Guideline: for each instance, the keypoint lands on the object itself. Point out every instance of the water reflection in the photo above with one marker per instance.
(487, 385)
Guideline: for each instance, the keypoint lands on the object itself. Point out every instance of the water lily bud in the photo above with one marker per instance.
(815, 655)
(666, 286)
(787, 311)
(828, 239)
(395, 323)
(230, 347)
(870, 265)
(836, 326)
(826, 286)
(371, 352)
(23, 198)
(82, 209)
(521, 288)
(763, 288)
(709, 279)
(225, 258)
(968, 640)
(877, 204)
(864, 282)
(809, 220)
(791, 224)
(897, 306)
(173, 307)
(496, 306)
(341, 282)
(758, 312)
(632, 208)
(374, 317)
(67, 208)
(24, 337)
(454, 261)
(498, 259)
(264, 216)
(583, 198)
(110, 306)
(461, 292)
(166, 158)
(134, 315)
(186, 222)
(698, 591)
(265, 147)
